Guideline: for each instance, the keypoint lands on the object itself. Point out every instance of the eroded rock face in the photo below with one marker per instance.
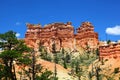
(110, 51)
(86, 37)
(62, 35)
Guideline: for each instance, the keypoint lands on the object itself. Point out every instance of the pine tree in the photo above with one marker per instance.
(77, 67)
(64, 58)
(64, 64)
(97, 69)
(55, 60)
(45, 76)
(12, 51)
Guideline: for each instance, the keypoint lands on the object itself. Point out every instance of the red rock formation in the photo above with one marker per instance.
(86, 36)
(110, 51)
(62, 35)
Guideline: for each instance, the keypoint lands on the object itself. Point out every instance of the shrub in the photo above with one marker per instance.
(116, 70)
(106, 59)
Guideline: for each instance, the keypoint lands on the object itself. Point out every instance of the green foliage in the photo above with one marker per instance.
(47, 75)
(70, 61)
(56, 78)
(53, 48)
(102, 61)
(67, 57)
(110, 78)
(37, 69)
(21, 47)
(44, 54)
(73, 63)
(90, 75)
(8, 40)
(77, 67)
(9, 54)
(101, 76)
(116, 70)
(65, 64)
(12, 51)
(2, 72)
(97, 52)
(41, 48)
(81, 63)
(25, 60)
(56, 59)
(63, 51)
(49, 58)
(97, 70)
(108, 41)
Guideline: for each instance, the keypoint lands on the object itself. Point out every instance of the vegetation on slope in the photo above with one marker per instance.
(80, 64)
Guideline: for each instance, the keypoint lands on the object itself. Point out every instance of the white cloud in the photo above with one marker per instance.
(17, 34)
(17, 23)
(113, 30)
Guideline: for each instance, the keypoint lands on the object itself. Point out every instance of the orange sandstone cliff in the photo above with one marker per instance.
(110, 51)
(62, 34)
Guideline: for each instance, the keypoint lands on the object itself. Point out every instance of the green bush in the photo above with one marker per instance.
(116, 70)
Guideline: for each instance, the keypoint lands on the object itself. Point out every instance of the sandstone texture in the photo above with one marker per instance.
(110, 51)
(62, 34)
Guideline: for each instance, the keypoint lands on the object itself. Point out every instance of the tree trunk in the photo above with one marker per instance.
(11, 73)
(97, 74)
(55, 72)
(14, 72)
(33, 66)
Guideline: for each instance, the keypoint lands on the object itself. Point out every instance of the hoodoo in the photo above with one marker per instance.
(62, 34)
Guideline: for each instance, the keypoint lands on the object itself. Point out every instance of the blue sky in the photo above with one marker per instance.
(103, 14)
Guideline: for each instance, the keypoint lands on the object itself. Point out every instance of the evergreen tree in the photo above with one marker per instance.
(108, 41)
(12, 51)
(44, 54)
(45, 76)
(64, 59)
(97, 69)
(97, 53)
(67, 57)
(55, 60)
(77, 67)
